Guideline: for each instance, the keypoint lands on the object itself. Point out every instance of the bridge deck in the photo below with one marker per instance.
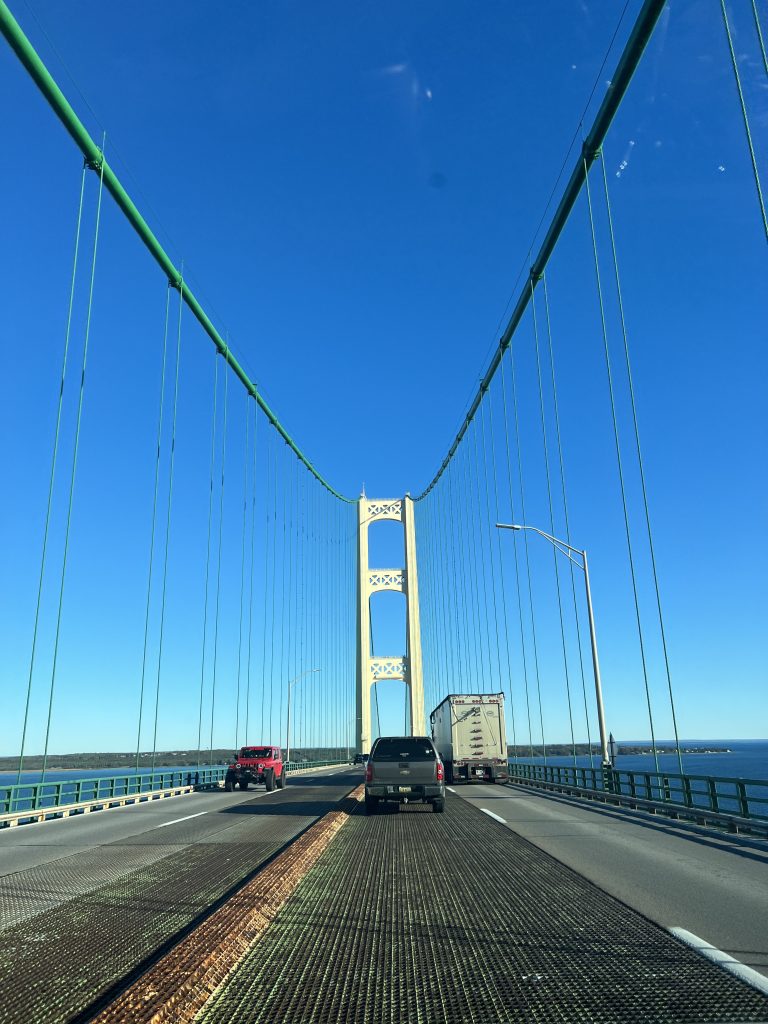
(413, 916)
(86, 902)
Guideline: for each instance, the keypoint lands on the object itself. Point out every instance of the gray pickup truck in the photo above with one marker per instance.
(404, 768)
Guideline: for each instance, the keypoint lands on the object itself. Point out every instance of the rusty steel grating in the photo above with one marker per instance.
(415, 917)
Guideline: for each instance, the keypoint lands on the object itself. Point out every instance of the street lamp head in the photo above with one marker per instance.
(508, 526)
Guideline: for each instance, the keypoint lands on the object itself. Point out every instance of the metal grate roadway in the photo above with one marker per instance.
(415, 917)
(88, 921)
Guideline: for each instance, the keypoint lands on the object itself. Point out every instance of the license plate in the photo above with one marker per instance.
(479, 771)
(404, 789)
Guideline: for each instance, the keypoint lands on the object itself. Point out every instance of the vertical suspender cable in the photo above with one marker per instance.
(274, 599)
(454, 577)
(303, 613)
(501, 572)
(440, 567)
(208, 554)
(561, 462)
(641, 467)
(759, 29)
(267, 519)
(516, 560)
(472, 572)
(218, 558)
(745, 116)
(154, 522)
(620, 467)
(490, 541)
(480, 539)
(463, 572)
(252, 573)
(282, 679)
(242, 576)
(54, 457)
(521, 482)
(552, 518)
(74, 470)
(167, 542)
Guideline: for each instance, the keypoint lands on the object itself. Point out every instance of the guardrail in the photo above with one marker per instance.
(36, 796)
(742, 800)
(33, 796)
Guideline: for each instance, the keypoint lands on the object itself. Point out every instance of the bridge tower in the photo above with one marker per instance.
(406, 666)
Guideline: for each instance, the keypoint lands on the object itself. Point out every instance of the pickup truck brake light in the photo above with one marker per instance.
(440, 770)
(369, 772)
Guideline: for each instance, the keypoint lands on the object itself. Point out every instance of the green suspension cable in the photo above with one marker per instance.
(303, 589)
(561, 463)
(759, 29)
(490, 541)
(473, 629)
(154, 521)
(444, 628)
(167, 542)
(620, 466)
(454, 579)
(641, 467)
(267, 506)
(501, 569)
(521, 485)
(552, 519)
(75, 451)
(481, 545)
(252, 572)
(423, 541)
(459, 505)
(516, 562)
(242, 577)
(274, 587)
(208, 556)
(218, 562)
(284, 677)
(54, 457)
(745, 115)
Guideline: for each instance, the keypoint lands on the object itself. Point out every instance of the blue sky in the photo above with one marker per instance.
(354, 190)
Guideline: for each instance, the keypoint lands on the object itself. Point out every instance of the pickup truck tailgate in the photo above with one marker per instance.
(405, 762)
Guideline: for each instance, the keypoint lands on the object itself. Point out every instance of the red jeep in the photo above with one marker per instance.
(257, 765)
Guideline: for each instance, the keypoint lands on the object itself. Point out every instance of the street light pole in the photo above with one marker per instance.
(566, 549)
(291, 685)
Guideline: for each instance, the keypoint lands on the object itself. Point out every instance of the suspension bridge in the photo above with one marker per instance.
(190, 579)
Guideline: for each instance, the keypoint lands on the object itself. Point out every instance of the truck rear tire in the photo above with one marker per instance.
(371, 804)
(269, 780)
(438, 806)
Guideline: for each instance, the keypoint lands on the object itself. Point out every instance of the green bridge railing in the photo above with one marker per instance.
(35, 796)
(743, 798)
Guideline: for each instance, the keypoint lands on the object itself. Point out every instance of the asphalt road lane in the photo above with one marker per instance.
(711, 884)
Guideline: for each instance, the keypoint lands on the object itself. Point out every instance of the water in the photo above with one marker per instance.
(28, 778)
(62, 787)
(748, 759)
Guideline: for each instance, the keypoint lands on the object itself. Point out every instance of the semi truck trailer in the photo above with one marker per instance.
(470, 735)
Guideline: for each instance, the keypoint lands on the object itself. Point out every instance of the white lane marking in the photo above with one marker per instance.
(176, 822)
(752, 977)
(492, 815)
(451, 789)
